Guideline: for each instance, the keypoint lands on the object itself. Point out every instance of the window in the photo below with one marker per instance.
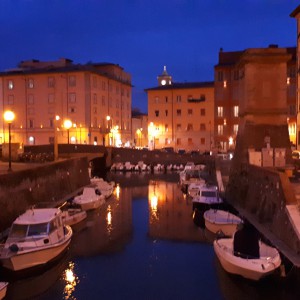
(178, 99)
(166, 112)
(51, 123)
(72, 98)
(95, 110)
(30, 99)
(235, 128)
(51, 82)
(178, 127)
(157, 113)
(103, 100)
(202, 97)
(31, 123)
(202, 141)
(10, 84)
(95, 98)
(178, 112)
(166, 127)
(156, 100)
(72, 80)
(189, 127)
(166, 99)
(50, 98)
(220, 129)
(220, 76)
(10, 99)
(190, 112)
(220, 111)
(190, 97)
(71, 109)
(202, 111)
(30, 83)
(190, 141)
(178, 141)
(236, 111)
(202, 127)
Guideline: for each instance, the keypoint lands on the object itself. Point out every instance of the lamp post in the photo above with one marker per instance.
(9, 116)
(68, 125)
(108, 119)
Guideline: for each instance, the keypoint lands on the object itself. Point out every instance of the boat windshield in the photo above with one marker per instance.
(209, 194)
(21, 231)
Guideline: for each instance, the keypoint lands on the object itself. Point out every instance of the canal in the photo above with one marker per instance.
(143, 244)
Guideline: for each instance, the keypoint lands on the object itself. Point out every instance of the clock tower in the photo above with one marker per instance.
(164, 78)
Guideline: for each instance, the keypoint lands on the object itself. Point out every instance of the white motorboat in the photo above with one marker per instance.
(91, 198)
(36, 237)
(194, 188)
(73, 216)
(250, 268)
(3, 289)
(106, 188)
(220, 221)
(208, 195)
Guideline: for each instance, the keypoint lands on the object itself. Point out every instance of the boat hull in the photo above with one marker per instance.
(3, 289)
(90, 205)
(223, 222)
(22, 260)
(253, 269)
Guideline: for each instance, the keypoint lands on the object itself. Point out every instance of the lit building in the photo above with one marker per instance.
(180, 115)
(95, 97)
(230, 81)
(139, 129)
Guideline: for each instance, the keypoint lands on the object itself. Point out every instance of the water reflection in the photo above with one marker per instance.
(146, 232)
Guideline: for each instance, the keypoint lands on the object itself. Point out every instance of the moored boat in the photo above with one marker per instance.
(220, 221)
(207, 195)
(91, 198)
(36, 237)
(3, 289)
(106, 188)
(246, 266)
(73, 216)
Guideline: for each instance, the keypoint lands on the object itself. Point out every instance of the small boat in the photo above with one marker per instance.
(91, 198)
(221, 221)
(194, 188)
(73, 216)
(106, 188)
(3, 289)
(251, 268)
(36, 237)
(207, 195)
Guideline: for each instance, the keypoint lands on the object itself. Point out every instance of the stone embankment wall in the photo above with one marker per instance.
(48, 185)
(264, 193)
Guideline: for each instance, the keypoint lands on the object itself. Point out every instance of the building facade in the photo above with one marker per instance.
(231, 85)
(139, 126)
(181, 115)
(95, 98)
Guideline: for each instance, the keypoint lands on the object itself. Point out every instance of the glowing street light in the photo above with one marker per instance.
(68, 125)
(9, 116)
(55, 138)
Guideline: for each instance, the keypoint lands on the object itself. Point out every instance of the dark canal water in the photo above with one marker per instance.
(143, 244)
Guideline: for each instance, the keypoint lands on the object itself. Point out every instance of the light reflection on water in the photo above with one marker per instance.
(142, 244)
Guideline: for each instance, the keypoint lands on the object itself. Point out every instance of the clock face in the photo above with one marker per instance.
(163, 82)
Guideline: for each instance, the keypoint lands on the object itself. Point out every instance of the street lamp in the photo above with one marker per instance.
(68, 125)
(9, 116)
(108, 119)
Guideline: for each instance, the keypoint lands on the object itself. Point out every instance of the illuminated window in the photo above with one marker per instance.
(225, 83)
(166, 127)
(10, 84)
(236, 111)
(220, 129)
(220, 111)
(235, 128)
(30, 83)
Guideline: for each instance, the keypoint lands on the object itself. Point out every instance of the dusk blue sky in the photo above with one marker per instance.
(142, 36)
